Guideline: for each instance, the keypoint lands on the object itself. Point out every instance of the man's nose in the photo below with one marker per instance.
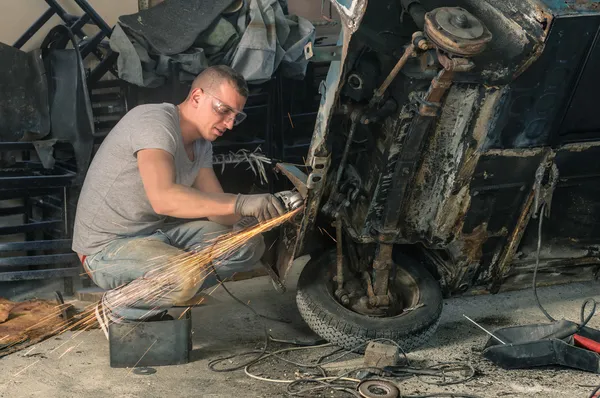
(229, 123)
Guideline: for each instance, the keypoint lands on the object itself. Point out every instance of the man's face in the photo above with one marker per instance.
(215, 109)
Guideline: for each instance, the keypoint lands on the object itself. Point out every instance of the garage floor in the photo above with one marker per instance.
(224, 327)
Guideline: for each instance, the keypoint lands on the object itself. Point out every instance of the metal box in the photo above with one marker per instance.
(158, 343)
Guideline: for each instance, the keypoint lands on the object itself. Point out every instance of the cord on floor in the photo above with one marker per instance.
(583, 320)
(342, 383)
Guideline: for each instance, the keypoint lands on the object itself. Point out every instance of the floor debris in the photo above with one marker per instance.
(28, 323)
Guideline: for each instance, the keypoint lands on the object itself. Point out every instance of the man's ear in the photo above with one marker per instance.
(196, 97)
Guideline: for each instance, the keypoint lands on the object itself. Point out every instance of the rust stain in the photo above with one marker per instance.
(515, 239)
(538, 49)
(453, 212)
(473, 242)
(454, 209)
(482, 126)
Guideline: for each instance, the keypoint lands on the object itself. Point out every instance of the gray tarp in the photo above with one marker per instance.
(256, 41)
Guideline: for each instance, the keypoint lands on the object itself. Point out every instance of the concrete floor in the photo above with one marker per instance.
(224, 327)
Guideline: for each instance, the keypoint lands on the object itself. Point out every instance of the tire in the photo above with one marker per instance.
(346, 328)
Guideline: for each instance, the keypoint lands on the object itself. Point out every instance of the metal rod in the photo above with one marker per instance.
(106, 64)
(54, 244)
(388, 80)
(10, 211)
(34, 28)
(340, 171)
(38, 274)
(80, 23)
(38, 260)
(92, 44)
(340, 253)
(58, 10)
(25, 228)
(88, 9)
(484, 329)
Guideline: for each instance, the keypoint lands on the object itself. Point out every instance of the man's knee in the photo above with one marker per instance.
(195, 235)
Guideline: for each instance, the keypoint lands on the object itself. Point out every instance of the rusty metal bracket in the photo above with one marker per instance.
(455, 64)
(295, 175)
(316, 177)
(322, 53)
(439, 85)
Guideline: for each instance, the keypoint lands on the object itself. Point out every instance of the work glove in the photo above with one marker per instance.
(262, 206)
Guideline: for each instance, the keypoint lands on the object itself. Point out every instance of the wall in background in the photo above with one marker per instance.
(17, 15)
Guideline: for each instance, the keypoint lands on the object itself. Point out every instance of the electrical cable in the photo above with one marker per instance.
(259, 353)
(337, 383)
(583, 320)
(537, 264)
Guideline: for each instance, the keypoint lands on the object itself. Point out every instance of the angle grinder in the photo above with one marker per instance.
(291, 200)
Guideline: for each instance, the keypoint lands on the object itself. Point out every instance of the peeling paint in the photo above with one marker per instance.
(351, 14)
(580, 146)
(445, 150)
(518, 152)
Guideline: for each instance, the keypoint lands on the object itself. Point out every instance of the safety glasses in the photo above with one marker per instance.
(225, 111)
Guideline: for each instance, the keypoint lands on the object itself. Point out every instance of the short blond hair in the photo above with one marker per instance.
(219, 73)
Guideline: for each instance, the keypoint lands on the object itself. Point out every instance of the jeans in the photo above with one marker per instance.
(143, 276)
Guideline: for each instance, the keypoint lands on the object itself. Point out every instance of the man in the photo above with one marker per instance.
(157, 163)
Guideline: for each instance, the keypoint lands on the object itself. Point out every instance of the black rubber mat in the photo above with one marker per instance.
(172, 26)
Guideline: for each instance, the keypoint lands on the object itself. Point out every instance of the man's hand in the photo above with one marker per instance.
(262, 206)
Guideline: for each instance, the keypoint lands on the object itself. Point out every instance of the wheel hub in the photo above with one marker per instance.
(403, 293)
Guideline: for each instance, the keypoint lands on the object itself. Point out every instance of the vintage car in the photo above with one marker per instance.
(456, 146)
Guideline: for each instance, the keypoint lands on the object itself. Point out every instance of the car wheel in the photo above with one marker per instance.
(413, 326)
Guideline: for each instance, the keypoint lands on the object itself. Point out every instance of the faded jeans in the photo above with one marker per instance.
(131, 267)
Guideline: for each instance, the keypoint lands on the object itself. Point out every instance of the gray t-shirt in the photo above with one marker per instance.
(113, 202)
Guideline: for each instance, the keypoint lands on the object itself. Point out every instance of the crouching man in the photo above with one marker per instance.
(157, 163)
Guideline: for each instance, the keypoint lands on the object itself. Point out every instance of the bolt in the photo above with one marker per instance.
(345, 300)
(461, 21)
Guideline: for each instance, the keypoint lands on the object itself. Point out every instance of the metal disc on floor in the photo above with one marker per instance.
(144, 371)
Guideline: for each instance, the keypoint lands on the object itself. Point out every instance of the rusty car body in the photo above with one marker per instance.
(446, 131)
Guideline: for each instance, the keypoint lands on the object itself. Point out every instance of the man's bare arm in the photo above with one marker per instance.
(170, 199)
(207, 181)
